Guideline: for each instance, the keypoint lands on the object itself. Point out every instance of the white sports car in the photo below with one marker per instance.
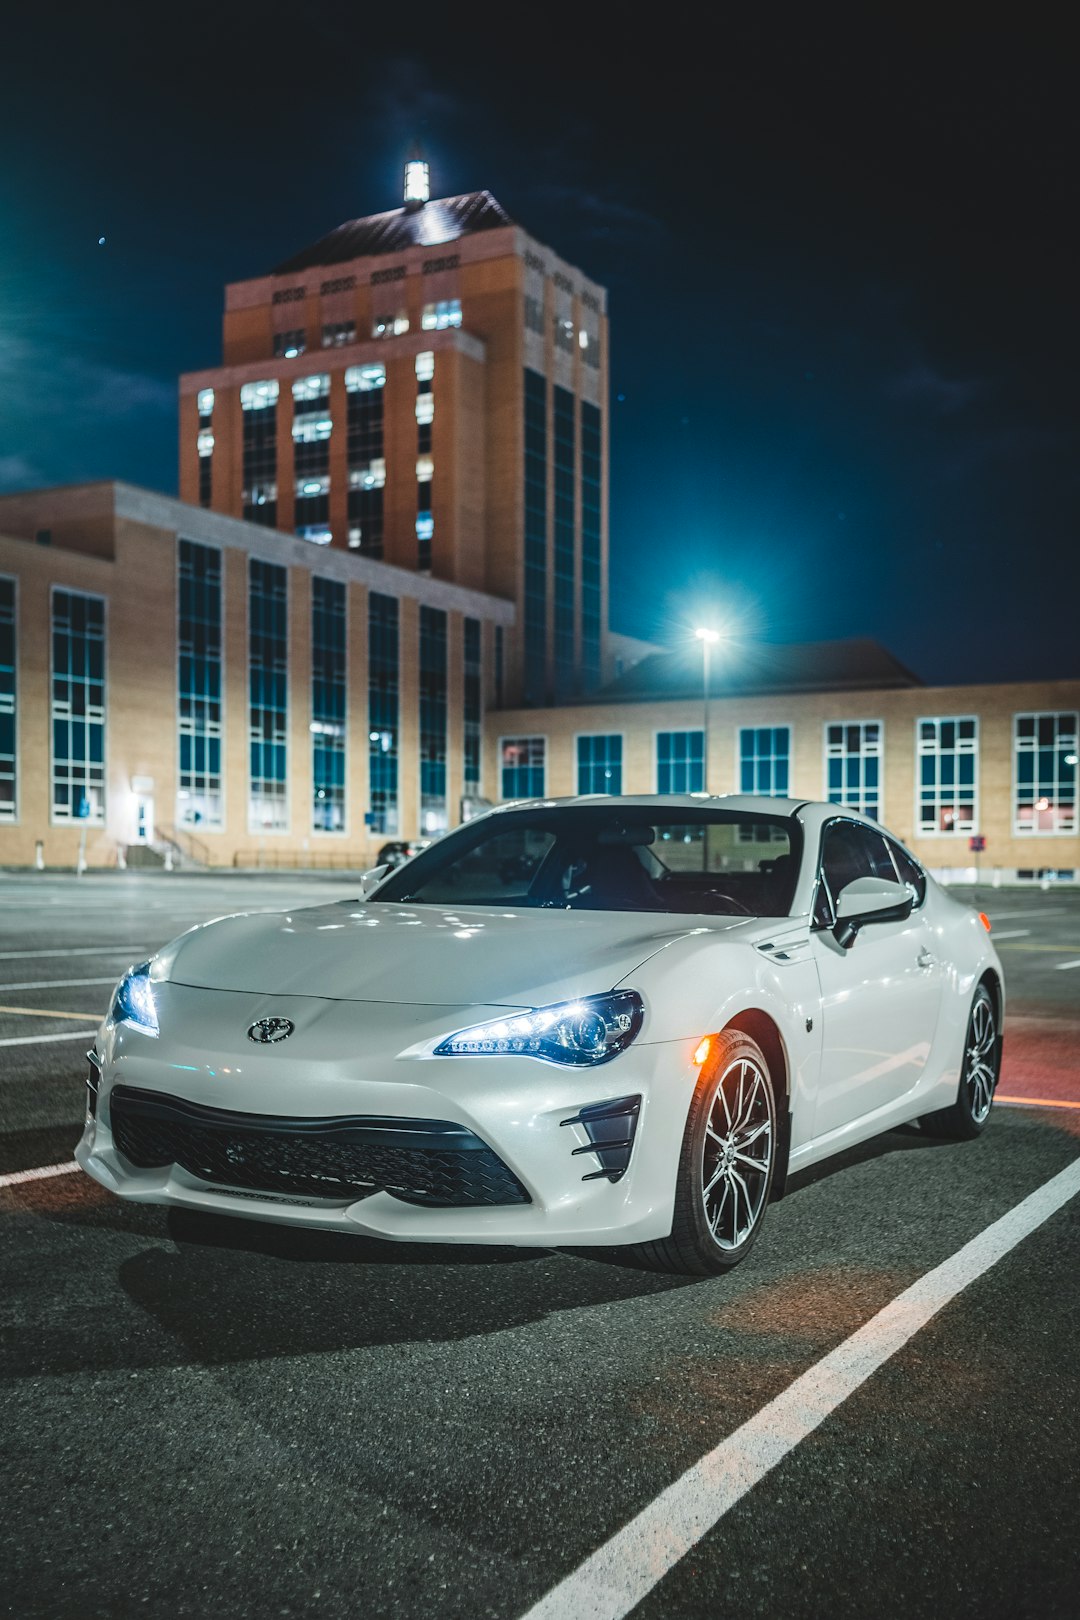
(583, 1021)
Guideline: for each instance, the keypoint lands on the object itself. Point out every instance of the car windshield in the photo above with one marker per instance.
(611, 858)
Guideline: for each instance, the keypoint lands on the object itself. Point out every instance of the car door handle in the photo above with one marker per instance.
(925, 958)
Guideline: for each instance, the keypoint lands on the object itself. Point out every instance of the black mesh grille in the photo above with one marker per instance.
(431, 1162)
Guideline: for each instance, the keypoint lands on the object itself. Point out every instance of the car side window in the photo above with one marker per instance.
(849, 851)
(910, 872)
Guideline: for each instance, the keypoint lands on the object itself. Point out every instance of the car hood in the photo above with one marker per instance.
(433, 955)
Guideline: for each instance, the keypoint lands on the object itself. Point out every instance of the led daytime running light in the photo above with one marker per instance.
(588, 1031)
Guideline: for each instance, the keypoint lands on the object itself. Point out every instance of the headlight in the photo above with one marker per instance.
(577, 1032)
(133, 1000)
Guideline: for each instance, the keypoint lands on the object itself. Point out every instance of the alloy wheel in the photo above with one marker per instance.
(979, 1076)
(737, 1153)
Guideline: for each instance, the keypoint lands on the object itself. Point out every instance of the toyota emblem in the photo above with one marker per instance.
(265, 1031)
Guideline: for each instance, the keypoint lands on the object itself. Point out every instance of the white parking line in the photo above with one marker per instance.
(43, 1171)
(78, 950)
(1014, 916)
(1011, 933)
(1062, 966)
(44, 1040)
(620, 1573)
(55, 984)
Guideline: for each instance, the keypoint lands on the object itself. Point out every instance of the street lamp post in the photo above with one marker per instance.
(708, 638)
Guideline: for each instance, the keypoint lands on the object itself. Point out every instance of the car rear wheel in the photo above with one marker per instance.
(726, 1164)
(978, 1077)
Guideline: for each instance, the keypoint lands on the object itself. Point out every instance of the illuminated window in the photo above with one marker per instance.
(383, 679)
(314, 388)
(425, 408)
(522, 767)
(433, 804)
(417, 183)
(589, 344)
(425, 469)
(425, 365)
(338, 334)
(199, 796)
(472, 705)
(8, 756)
(328, 700)
(764, 760)
(205, 442)
(948, 754)
(1046, 748)
(599, 764)
(853, 754)
(385, 326)
(364, 387)
(311, 430)
(313, 486)
(78, 707)
(268, 676)
(361, 379)
(436, 317)
(680, 761)
(564, 333)
(205, 402)
(287, 345)
(257, 403)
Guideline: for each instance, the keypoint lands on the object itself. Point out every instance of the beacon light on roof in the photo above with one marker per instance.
(588, 1031)
(417, 182)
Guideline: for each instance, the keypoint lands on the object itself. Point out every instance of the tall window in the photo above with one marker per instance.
(535, 537)
(78, 707)
(565, 660)
(853, 755)
(364, 456)
(268, 675)
(8, 799)
(383, 679)
(205, 444)
(1044, 778)
(433, 808)
(599, 764)
(328, 705)
(472, 706)
(948, 751)
(522, 767)
(198, 799)
(311, 430)
(764, 760)
(258, 406)
(447, 312)
(590, 547)
(425, 467)
(680, 761)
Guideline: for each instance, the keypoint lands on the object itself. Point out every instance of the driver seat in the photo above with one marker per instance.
(614, 880)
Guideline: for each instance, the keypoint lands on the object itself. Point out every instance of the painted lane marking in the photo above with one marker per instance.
(1058, 948)
(46, 1012)
(55, 984)
(1063, 967)
(15, 1177)
(615, 1578)
(1034, 1102)
(77, 950)
(1013, 933)
(44, 1040)
(1014, 916)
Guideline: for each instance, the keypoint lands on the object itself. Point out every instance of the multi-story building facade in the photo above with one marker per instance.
(426, 387)
(175, 679)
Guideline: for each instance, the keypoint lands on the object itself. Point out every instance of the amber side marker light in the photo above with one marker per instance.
(704, 1047)
(984, 919)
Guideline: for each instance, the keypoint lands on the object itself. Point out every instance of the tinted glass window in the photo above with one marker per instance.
(617, 858)
(852, 851)
(910, 872)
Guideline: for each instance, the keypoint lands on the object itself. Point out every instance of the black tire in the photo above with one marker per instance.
(699, 1246)
(967, 1116)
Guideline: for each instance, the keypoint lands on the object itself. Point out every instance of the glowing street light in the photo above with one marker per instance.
(708, 638)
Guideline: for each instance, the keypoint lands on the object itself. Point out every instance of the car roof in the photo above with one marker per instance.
(759, 803)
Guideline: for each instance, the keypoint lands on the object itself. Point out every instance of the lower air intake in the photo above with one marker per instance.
(421, 1161)
(610, 1127)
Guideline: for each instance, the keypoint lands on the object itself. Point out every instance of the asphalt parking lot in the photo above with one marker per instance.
(239, 1421)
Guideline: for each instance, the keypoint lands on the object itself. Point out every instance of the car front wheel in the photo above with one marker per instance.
(726, 1163)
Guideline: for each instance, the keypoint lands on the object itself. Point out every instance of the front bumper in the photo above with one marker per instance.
(351, 1064)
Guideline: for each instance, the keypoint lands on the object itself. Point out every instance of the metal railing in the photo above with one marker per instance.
(301, 860)
(186, 844)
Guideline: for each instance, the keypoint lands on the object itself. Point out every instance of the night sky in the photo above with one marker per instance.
(843, 280)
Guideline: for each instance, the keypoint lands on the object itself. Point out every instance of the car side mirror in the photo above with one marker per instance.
(870, 900)
(371, 879)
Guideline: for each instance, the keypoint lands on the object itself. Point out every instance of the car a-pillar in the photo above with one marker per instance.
(761, 1028)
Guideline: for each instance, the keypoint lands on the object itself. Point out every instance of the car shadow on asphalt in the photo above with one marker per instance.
(904, 1139)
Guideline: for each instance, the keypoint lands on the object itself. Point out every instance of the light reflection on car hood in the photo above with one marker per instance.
(436, 955)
